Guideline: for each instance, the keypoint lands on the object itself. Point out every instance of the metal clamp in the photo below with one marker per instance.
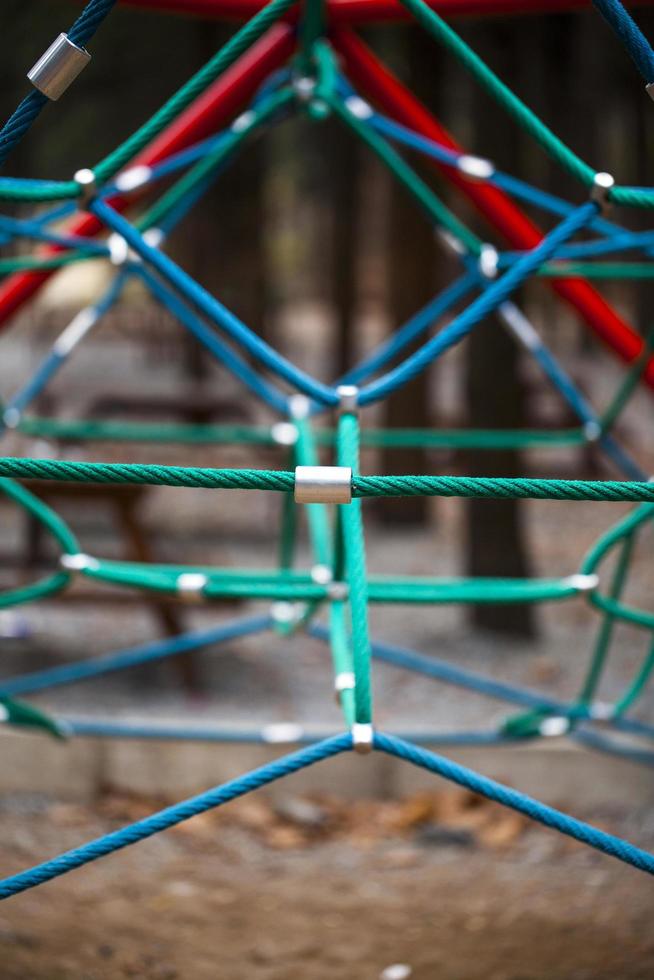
(79, 562)
(285, 613)
(358, 107)
(282, 732)
(488, 260)
(321, 574)
(299, 406)
(363, 737)
(348, 399)
(323, 484)
(601, 711)
(284, 433)
(555, 726)
(338, 591)
(85, 178)
(11, 417)
(592, 430)
(476, 168)
(58, 67)
(582, 583)
(190, 586)
(133, 178)
(603, 184)
(344, 681)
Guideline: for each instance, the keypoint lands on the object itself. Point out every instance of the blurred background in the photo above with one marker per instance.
(310, 242)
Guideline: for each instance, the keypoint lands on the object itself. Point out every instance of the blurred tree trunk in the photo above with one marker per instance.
(495, 535)
(411, 283)
(343, 177)
(221, 241)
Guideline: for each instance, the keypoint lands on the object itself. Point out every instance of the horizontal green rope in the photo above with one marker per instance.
(483, 439)
(134, 473)
(21, 263)
(90, 429)
(362, 486)
(480, 487)
(598, 270)
(285, 584)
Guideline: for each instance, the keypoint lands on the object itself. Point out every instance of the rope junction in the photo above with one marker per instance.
(584, 242)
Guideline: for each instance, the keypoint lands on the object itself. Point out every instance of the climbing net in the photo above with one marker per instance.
(281, 62)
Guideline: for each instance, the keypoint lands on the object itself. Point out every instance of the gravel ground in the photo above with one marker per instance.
(313, 892)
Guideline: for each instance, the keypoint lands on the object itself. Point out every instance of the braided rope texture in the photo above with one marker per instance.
(183, 294)
(29, 109)
(539, 812)
(362, 486)
(173, 815)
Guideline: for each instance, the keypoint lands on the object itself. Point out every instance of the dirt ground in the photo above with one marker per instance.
(439, 887)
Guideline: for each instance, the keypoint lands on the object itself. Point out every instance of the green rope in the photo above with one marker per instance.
(235, 138)
(243, 39)
(483, 439)
(362, 486)
(438, 29)
(628, 386)
(480, 487)
(61, 533)
(601, 650)
(562, 154)
(637, 686)
(317, 516)
(598, 270)
(355, 569)
(430, 203)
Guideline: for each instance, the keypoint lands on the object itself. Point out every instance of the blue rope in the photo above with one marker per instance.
(539, 812)
(211, 308)
(480, 308)
(412, 329)
(625, 27)
(186, 733)
(512, 185)
(224, 354)
(54, 359)
(20, 121)
(173, 815)
(108, 729)
(132, 657)
(23, 228)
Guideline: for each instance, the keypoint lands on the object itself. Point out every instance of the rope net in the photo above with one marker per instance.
(323, 69)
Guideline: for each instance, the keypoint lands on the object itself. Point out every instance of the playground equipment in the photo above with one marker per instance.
(284, 60)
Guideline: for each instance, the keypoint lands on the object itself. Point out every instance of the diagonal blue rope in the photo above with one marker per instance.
(539, 812)
(173, 815)
(480, 308)
(213, 309)
(20, 121)
(626, 28)
(132, 657)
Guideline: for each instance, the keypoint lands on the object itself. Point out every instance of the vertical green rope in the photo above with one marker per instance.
(635, 689)
(628, 386)
(355, 570)
(598, 659)
(341, 657)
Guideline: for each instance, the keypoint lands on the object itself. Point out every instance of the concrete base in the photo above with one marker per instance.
(553, 771)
